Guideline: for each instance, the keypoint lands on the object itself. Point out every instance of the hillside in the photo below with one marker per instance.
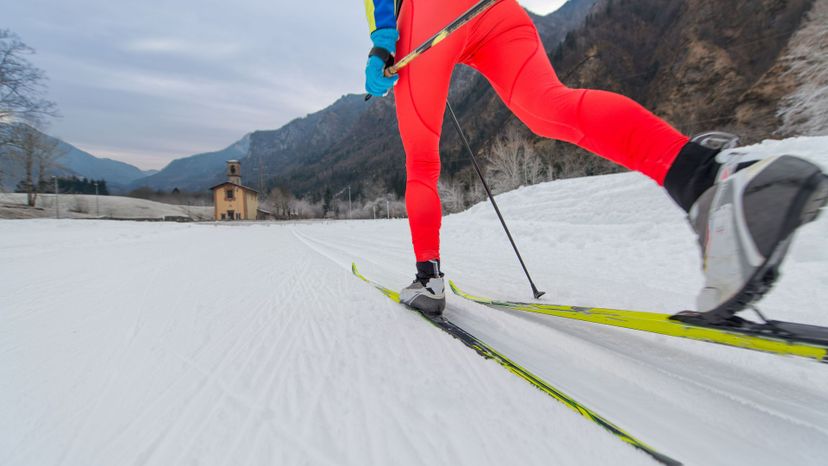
(73, 161)
(197, 172)
(215, 344)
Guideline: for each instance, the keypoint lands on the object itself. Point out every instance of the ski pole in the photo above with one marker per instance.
(470, 14)
(454, 120)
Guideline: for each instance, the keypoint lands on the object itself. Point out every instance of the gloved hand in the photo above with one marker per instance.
(385, 40)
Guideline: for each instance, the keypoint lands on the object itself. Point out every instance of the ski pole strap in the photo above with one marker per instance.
(383, 55)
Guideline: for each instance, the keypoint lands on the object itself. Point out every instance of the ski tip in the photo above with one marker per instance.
(354, 268)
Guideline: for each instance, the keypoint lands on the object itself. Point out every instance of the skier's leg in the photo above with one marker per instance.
(505, 47)
(421, 97)
(744, 218)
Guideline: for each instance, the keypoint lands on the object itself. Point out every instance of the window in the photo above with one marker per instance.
(224, 216)
(231, 214)
(228, 195)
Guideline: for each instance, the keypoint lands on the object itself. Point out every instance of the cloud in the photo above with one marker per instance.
(179, 47)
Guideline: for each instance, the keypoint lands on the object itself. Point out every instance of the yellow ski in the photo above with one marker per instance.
(780, 338)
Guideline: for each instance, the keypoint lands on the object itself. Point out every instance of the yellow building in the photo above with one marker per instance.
(233, 201)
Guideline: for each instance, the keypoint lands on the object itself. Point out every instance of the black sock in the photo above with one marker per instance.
(429, 269)
(693, 171)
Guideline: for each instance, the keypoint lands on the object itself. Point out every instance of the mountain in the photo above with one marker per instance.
(269, 152)
(685, 60)
(196, 172)
(75, 162)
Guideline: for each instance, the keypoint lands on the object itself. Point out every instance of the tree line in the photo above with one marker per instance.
(66, 185)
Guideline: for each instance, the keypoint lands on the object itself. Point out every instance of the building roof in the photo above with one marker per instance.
(234, 184)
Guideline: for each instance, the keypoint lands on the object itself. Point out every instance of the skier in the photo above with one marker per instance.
(744, 213)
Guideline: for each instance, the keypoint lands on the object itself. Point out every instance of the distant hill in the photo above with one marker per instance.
(196, 172)
(274, 152)
(74, 161)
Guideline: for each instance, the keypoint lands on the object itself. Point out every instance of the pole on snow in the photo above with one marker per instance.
(454, 120)
(469, 15)
(462, 135)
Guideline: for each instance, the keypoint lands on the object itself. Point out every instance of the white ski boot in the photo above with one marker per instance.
(427, 292)
(745, 223)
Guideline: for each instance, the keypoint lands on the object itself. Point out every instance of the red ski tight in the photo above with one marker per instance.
(504, 46)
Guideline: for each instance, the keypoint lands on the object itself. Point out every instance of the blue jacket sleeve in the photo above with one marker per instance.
(381, 14)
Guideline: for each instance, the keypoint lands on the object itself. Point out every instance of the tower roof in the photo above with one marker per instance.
(234, 184)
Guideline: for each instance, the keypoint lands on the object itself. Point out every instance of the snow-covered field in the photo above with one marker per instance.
(217, 344)
(13, 205)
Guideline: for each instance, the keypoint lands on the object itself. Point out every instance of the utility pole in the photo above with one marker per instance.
(387, 208)
(57, 205)
(97, 206)
(349, 201)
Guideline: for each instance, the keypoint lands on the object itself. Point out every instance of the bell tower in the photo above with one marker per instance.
(234, 172)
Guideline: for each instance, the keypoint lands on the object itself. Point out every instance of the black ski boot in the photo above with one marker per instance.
(427, 292)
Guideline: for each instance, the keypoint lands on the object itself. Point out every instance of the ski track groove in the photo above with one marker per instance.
(93, 403)
(213, 379)
(276, 361)
(183, 376)
(260, 341)
(721, 392)
(209, 380)
(113, 375)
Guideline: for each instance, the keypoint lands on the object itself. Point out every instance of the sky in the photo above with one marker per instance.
(149, 81)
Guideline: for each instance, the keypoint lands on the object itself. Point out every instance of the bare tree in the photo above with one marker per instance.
(36, 152)
(302, 208)
(279, 202)
(513, 162)
(452, 195)
(22, 85)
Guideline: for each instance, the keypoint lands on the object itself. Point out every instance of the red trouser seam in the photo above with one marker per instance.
(522, 67)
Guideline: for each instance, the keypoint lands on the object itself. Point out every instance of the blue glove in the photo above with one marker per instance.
(375, 81)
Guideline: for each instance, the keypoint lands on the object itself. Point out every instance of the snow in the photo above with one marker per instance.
(13, 205)
(252, 343)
